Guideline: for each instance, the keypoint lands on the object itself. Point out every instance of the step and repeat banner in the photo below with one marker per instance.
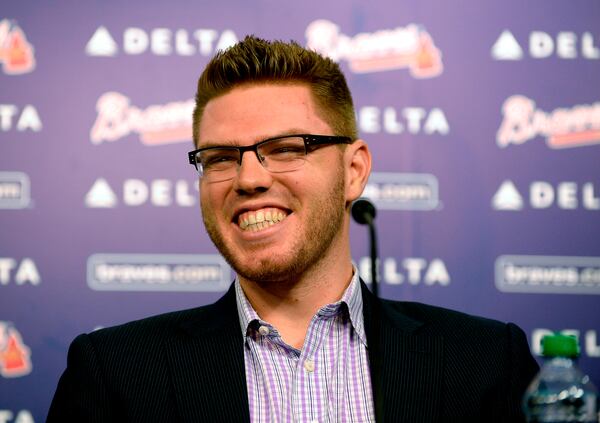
(483, 119)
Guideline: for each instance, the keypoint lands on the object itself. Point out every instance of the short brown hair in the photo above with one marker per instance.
(255, 60)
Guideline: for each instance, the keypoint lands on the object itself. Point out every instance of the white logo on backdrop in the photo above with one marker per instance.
(567, 195)
(410, 270)
(403, 191)
(157, 124)
(101, 44)
(136, 192)
(14, 190)
(522, 121)
(409, 47)
(506, 47)
(158, 272)
(26, 119)
(20, 272)
(507, 197)
(548, 274)
(23, 416)
(414, 120)
(541, 45)
(100, 195)
(160, 42)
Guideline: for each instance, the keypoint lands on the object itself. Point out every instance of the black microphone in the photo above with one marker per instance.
(363, 213)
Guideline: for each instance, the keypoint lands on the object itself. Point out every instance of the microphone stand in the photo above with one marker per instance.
(363, 212)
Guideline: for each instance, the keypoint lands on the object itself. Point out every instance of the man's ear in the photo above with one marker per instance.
(357, 160)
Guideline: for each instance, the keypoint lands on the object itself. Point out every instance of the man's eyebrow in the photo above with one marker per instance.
(287, 132)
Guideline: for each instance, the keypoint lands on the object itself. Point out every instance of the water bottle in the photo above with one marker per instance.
(560, 392)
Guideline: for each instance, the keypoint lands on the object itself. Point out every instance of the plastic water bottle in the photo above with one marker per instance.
(561, 392)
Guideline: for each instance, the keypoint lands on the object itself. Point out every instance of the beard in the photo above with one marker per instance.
(308, 249)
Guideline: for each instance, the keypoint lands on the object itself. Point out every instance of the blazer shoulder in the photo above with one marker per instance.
(191, 321)
(447, 322)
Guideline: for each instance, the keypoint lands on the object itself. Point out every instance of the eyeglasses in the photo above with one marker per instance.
(279, 154)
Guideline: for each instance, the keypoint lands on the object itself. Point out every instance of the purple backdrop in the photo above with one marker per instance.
(484, 122)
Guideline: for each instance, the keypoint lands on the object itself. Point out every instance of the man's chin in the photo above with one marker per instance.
(266, 271)
(266, 274)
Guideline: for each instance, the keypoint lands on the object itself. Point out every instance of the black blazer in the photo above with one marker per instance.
(428, 364)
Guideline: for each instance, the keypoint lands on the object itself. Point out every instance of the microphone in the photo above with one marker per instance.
(363, 213)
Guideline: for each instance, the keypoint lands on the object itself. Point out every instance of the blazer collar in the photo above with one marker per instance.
(406, 362)
(206, 358)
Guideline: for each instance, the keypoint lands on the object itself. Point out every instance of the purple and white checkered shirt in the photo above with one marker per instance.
(327, 381)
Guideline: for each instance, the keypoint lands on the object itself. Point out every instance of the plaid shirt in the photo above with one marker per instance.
(328, 380)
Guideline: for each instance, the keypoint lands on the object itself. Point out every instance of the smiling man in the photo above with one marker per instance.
(298, 337)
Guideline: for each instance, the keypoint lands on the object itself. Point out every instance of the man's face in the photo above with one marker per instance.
(302, 211)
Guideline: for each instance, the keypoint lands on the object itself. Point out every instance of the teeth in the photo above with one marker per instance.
(261, 219)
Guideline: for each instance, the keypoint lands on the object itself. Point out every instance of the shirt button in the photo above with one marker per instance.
(309, 365)
(263, 330)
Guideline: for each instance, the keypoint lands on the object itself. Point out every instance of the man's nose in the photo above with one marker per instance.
(252, 175)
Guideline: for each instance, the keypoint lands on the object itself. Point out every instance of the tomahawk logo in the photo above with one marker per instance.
(16, 53)
(14, 354)
(409, 47)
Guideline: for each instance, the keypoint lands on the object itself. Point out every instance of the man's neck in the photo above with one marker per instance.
(290, 305)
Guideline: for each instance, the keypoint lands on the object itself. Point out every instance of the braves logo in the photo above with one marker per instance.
(16, 53)
(576, 126)
(410, 47)
(14, 354)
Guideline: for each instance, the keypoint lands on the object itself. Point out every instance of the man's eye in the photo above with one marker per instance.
(287, 150)
(218, 160)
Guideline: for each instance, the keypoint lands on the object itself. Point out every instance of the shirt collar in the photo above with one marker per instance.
(351, 299)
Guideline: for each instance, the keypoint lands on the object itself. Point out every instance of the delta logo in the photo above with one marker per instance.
(16, 53)
(542, 45)
(575, 126)
(157, 124)
(160, 42)
(409, 47)
(14, 354)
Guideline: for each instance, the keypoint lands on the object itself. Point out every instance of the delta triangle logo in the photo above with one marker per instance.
(14, 354)
(101, 44)
(507, 197)
(101, 195)
(507, 47)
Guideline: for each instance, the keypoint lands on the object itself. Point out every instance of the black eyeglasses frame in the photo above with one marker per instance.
(310, 140)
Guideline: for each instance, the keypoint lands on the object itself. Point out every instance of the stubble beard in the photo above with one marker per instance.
(323, 224)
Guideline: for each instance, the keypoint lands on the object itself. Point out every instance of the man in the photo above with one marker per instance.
(297, 337)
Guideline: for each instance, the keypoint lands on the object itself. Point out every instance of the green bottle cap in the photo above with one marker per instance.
(559, 345)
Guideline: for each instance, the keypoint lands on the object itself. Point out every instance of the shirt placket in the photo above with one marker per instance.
(310, 404)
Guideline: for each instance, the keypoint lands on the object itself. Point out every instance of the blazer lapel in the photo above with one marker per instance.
(206, 359)
(406, 363)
